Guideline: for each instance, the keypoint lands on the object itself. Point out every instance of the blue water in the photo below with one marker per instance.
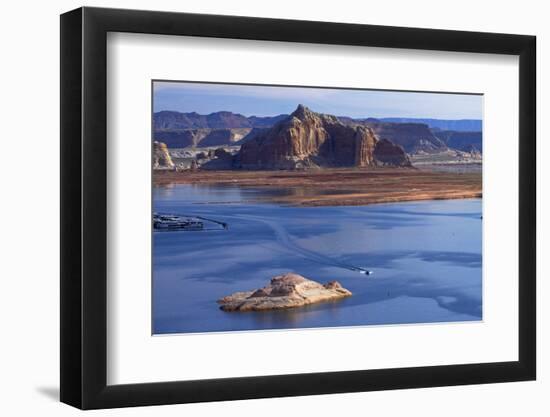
(426, 259)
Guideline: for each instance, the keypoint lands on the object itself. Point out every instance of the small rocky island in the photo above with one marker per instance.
(284, 291)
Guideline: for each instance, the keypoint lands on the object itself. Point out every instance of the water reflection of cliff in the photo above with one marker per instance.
(213, 193)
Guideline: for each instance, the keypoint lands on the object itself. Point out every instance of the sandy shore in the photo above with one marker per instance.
(339, 187)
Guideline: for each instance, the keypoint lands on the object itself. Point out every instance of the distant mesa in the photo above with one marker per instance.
(461, 140)
(289, 290)
(181, 130)
(202, 137)
(459, 125)
(412, 137)
(425, 136)
(172, 120)
(224, 128)
(306, 139)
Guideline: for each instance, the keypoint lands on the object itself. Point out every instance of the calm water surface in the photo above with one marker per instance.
(426, 259)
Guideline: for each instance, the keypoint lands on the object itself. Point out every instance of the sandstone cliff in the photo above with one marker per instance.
(306, 139)
(284, 291)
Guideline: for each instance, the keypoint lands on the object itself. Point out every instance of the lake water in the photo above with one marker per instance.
(425, 257)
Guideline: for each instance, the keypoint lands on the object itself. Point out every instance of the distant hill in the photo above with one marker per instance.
(266, 121)
(180, 130)
(413, 137)
(173, 120)
(463, 141)
(461, 125)
(418, 135)
(182, 138)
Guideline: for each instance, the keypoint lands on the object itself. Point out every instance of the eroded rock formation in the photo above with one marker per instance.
(161, 156)
(284, 291)
(388, 153)
(307, 139)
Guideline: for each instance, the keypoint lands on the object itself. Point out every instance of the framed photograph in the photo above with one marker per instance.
(257, 208)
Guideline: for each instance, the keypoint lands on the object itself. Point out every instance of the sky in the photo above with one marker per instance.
(259, 100)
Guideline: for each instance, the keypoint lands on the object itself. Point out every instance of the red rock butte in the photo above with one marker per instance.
(307, 139)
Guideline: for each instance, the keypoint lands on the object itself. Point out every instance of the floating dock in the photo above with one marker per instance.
(165, 222)
(174, 222)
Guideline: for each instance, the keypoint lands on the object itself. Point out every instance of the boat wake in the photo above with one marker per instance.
(196, 222)
(285, 240)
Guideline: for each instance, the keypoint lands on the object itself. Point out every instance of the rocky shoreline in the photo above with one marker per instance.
(337, 186)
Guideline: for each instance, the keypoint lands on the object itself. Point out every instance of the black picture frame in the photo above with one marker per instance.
(84, 207)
